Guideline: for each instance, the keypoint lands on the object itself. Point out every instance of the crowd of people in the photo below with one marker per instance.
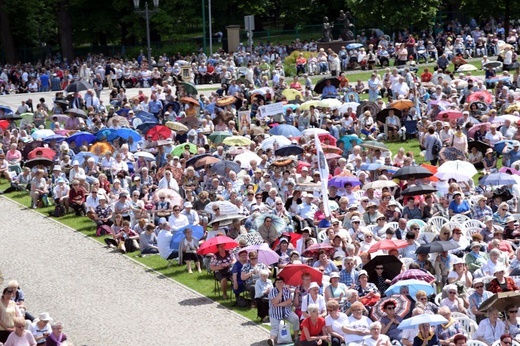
(304, 172)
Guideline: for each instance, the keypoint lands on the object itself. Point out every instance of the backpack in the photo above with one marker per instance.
(59, 210)
(437, 146)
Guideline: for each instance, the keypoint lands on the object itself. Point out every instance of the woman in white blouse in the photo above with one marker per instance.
(490, 329)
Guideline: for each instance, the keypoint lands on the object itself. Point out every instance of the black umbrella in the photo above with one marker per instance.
(392, 266)
(381, 115)
(367, 106)
(318, 88)
(289, 150)
(78, 86)
(61, 102)
(437, 246)
(481, 146)
(418, 190)
(176, 106)
(10, 117)
(493, 64)
(144, 127)
(407, 172)
(35, 162)
(77, 112)
(194, 159)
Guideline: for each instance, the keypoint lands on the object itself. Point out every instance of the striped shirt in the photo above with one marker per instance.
(279, 312)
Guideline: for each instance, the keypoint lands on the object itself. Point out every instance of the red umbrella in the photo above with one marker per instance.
(292, 237)
(312, 251)
(4, 124)
(388, 244)
(325, 136)
(416, 274)
(331, 149)
(449, 115)
(432, 169)
(302, 164)
(292, 274)
(46, 153)
(211, 246)
(159, 132)
(482, 96)
(332, 156)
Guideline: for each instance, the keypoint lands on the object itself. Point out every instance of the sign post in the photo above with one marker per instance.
(249, 24)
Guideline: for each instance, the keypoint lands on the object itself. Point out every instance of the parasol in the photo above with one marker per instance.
(159, 132)
(392, 265)
(106, 134)
(330, 103)
(458, 166)
(402, 306)
(223, 167)
(127, 133)
(449, 115)
(339, 181)
(313, 250)
(402, 104)
(482, 96)
(307, 104)
(291, 94)
(218, 136)
(237, 141)
(41, 152)
(286, 131)
(437, 246)
(415, 274)
(211, 246)
(189, 88)
(118, 121)
(383, 114)
(78, 86)
(172, 195)
(200, 161)
(37, 162)
(372, 107)
(42, 134)
(176, 126)
(345, 106)
(388, 244)
(246, 158)
(145, 155)
(182, 148)
(264, 253)
(318, 88)
(81, 138)
(467, 68)
(77, 112)
(278, 141)
(277, 222)
(497, 179)
(379, 184)
(451, 153)
(413, 287)
(226, 101)
(225, 208)
(187, 99)
(418, 190)
(407, 172)
(375, 145)
(292, 274)
(289, 150)
(283, 163)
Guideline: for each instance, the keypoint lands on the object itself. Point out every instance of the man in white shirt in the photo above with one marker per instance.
(164, 239)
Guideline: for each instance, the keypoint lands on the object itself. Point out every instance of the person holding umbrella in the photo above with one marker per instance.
(221, 264)
(390, 321)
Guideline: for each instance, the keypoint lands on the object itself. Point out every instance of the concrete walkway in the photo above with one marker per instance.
(105, 298)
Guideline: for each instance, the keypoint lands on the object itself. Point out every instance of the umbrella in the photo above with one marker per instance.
(200, 161)
(77, 112)
(493, 64)
(277, 222)
(226, 101)
(289, 106)
(187, 99)
(415, 274)
(226, 219)
(314, 249)
(354, 46)
(178, 236)
(512, 108)
(4, 124)
(482, 96)
(451, 153)
(57, 138)
(251, 238)
(280, 141)
(413, 286)
(449, 115)
(218, 136)
(189, 88)
(392, 266)
(290, 94)
(101, 148)
(445, 78)
(481, 106)
(182, 148)
(41, 134)
(339, 181)
(437, 246)
(402, 104)
(286, 131)
(40, 161)
(344, 107)
(159, 132)
(41, 152)
(324, 137)
(225, 207)
(330, 103)
(467, 68)
(457, 176)
(292, 237)
(501, 300)
(237, 141)
(265, 254)
(318, 88)
(80, 138)
(313, 131)
(176, 126)
(6, 109)
(171, 195)
(413, 322)
(78, 86)
(382, 114)
(388, 244)
(289, 150)
(246, 158)
(127, 133)
(222, 167)
(375, 145)
(481, 126)
(237, 151)
(146, 155)
(407, 172)
(497, 179)
(379, 184)
(500, 120)
(83, 156)
(418, 190)
(283, 164)
(458, 166)
(118, 120)
(402, 306)
(501, 145)
(331, 149)
(146, 117)
(106, 134)
(307, 104)
(372, 107)
(292, 274)
(145, 127)
(211, 246)
(332, 156)
(481, 146)
(347, 139)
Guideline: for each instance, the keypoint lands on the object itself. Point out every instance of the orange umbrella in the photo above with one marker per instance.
(401, 104)
(101, 148)
(187, 99)
(432, 169)
(226, 101)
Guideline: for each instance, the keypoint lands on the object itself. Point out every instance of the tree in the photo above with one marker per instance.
(481, 9)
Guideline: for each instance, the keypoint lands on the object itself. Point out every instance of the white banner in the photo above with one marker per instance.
(271, 109)
(323, 168)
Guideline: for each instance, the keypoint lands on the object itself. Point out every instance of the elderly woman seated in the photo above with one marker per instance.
(357, 327)
(446, 332)
(452, 301)
(490, 329)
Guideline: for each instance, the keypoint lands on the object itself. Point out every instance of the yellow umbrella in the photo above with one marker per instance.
(307, 104)
(290, 94)
(515, 107)
(401, 104)
(101, 148)
(236, 141)
(176, 126)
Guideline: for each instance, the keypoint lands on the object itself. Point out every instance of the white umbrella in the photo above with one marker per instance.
(225, 207)
(466, 68)
(246, 158)
(330, 103)
(41, 134)
(458, 176)
(146, 155)
(344, 107)
(459, 167)
(500, 120)
(379, 184)
(445, 77)
(281, 141)
(313, 131)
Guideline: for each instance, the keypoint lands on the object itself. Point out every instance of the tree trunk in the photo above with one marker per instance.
(507, 17)
(5, 37)
(65, 30)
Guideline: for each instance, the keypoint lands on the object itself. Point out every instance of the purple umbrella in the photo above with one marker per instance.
(265, 254)
(339, 181)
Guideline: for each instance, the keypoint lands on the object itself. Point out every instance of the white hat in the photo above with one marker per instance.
(188, 205)
(75, 163)
(314, 285)
(162, 220)
(44, 316)
(56, 168)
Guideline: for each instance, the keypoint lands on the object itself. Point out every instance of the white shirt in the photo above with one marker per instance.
(163, 243)
(490, 334)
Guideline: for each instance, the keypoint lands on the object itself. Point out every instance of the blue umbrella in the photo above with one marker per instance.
(176, 106)
(178, 236)
(277, 222)
(144, 127)
(221, 167)
(354, 45)
(289, 150)
(106, 134)
(291, 106)
(6, 109)
(348, 138)
(57, 138)
(413, 322)
(413, 287)
(497, 179)
(127, 133)
(123, 112)
(370, 166)
(146, 117)
(286, 131)
(83, 156)
(340, 181)
(80, 137)
(500, 145)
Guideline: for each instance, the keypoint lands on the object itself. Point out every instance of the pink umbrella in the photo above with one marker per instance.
(302, 164)
(332, 156)
(481, 126)
(449, 115)
(172, 195)
(264, 253)
(482, 96)
(509, 170)
(327, 137)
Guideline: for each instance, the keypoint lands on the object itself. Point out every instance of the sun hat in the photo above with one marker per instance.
(162, 220)
(334, 275)
(314, 285)
(44, 316)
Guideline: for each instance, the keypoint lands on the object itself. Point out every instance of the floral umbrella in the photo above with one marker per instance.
(451, 153)
(482, 96)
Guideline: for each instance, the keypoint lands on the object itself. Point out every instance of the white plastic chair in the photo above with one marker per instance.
(370, 228)
(460, 218)
(438, 299)
(476, 343)
(457, 315)
(360, 194)
(472, 230)
(516, 216)
(322, 235)
(497, 343)
(468, 324)
(438, 221)
(394, 225)
(473, 223)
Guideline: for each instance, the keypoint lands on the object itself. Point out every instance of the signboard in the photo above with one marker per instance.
(244, 118)
(249, 23)
(271, 109)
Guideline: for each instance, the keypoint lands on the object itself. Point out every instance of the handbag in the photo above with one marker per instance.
(284, 335)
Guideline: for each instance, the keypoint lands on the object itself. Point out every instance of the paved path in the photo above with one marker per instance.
(105, 298)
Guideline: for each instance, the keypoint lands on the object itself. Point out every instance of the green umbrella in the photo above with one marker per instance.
(190, 88)
(374, 145)
(25, 115)
(218, 136)
(181, 148)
